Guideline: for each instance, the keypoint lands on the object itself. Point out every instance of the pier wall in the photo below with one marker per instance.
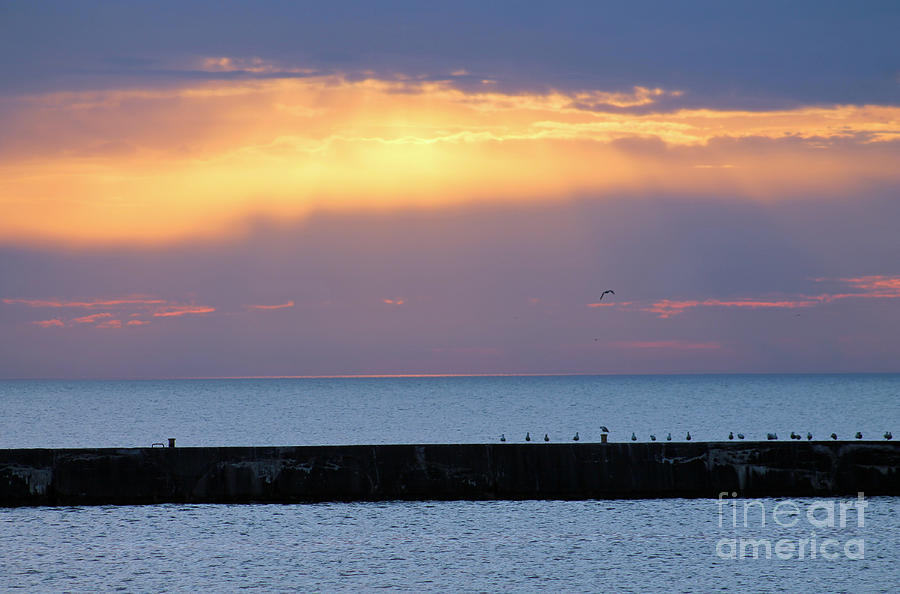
(446, 471)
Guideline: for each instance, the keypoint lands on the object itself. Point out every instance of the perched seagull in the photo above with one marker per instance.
(576, 438)
(527, 436)
(730, 435)
(604, 429)
(859, 435)
(546, 437)
(688, 437)
(808, 436)
(503, 437)
(652, 437)
(605, 292)
(887, 435)
(740, 436)
(794, 435)
(771, 436)
(834, 436)
(669, 436)
(633, 436)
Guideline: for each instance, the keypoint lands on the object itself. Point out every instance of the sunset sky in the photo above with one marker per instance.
(231, 189)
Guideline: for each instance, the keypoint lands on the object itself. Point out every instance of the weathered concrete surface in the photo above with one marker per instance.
(437, 471)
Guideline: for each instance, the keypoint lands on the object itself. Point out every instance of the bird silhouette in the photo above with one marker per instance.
(503, 437)
(888, 435)
(740, 436)
(652, 437)
(604, 429)
(669, 436)
(808, 436)
(730, 435)
(688, 436)
(794, 435)
(546, 437)
(834, 436)
(633, 436)
(527, 436)
(576, 438)
(771, 436)
(605, 292)
(859, 435)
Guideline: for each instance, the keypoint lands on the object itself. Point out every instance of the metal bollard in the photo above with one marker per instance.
(171, 442)
(603, 438)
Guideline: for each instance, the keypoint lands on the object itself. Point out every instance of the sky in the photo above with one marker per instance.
(232, 189)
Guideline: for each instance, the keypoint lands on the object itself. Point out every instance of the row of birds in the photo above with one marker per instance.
(731, 435)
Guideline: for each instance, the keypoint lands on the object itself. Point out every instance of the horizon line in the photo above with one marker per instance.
(445, 375)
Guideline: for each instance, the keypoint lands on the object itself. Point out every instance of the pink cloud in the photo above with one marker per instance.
(91, 318)
(49, 323)
(84, 304)
(278, 306)
(137, 323)
(110, 324)
(183, 310)
(394, 301)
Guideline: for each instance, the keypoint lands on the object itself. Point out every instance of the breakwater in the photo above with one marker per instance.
(446, 471)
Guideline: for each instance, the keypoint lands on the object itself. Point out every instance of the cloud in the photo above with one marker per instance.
(126, 306)
(331, 141)
(267, 307)
(54, 323)
(91, 318)
(394, 301)
(867, 287)
(183, 310)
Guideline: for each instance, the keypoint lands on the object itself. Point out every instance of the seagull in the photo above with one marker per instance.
(576, 438)
(887, 435)
(633, 436)
(834, 436)
(527, 436)
(546, 437)
(605, 292)
(808, 436)
(652, 437)
(604, 429)
(740, 436)
(688, 437)
(669, 436)
(503, 437)
(859, 435)
(730, 435)
(794, 435)
(771, 436)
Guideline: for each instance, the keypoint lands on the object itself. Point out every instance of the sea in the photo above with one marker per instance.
(662, 545)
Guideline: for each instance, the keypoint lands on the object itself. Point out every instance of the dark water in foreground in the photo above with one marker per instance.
(658, 545)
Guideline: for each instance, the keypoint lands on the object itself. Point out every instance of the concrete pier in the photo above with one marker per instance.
(446, 471)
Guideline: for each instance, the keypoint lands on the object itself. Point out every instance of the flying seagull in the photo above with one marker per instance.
(605, 292)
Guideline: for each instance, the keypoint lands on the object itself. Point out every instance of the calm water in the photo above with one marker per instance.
(660, 545)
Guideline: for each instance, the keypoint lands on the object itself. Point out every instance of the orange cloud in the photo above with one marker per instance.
(155, 165)
(278, 306)
(137, 323)
(49, 323)
(110, 324)
(394, 301)
(146, 306)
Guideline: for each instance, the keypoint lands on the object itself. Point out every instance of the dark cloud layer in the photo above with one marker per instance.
(747, 54)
